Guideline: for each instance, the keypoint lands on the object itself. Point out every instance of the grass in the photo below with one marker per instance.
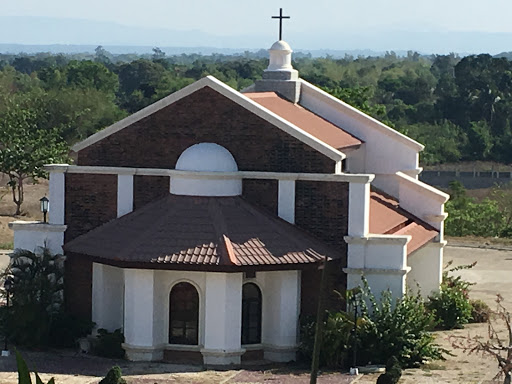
(7, 246)
(33, 192)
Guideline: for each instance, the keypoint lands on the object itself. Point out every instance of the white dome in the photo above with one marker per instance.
(280, 45)
(206, 157)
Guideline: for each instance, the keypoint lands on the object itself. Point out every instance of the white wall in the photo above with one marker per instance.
(422, 200)
(382, 259)
(286, 200)
(387, 151)
(139, 314)
(281, 308)
(31, 235)
(426, 268)
(358, 209)
(223, 319)
(107, 296)
(57, 194)
(124, 194)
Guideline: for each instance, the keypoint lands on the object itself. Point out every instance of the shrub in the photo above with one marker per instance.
(393, 372)
(24, 373)
(36, 296)
(109, 343)
(479, 311)
(400, 329)
(66, 329)
(451, 306)
(335, 343)
(113, 376)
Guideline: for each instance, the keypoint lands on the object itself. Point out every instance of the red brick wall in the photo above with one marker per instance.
(262, 193)
(147, 189)
(321, 208)
(78, 285)
(205, 116)
(91, 200)
(336, 280)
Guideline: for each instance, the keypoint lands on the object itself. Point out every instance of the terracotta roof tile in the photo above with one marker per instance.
(386, 217)
(211, 231)
(306, 120)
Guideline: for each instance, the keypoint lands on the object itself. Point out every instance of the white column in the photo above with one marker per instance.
(57, 198)
(223, 319)
(286, 200)
(358, 209)
(383, 261)
(124, 194)
(426, 268)
(107, 296)
(281, 309)
(139, 316)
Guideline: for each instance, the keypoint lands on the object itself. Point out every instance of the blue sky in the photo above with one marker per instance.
(342, 19)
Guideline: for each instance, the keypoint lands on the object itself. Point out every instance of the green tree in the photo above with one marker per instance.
(27, 143)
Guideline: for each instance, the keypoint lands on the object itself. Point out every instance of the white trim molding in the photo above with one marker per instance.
(336, 177)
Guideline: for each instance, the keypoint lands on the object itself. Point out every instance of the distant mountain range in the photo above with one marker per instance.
(31, 34)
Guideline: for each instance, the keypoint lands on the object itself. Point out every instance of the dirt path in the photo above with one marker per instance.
(492, 274)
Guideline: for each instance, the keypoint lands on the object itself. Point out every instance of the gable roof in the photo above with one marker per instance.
(306, 120)
(212, 232)
(354, 113)
(230, 93)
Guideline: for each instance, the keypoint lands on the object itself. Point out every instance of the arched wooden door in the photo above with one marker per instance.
(184, 314)
(251, 314)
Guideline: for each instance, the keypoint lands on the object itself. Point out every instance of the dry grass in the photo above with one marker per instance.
(33, 192)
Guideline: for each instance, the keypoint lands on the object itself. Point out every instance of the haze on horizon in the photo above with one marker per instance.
(376, 25)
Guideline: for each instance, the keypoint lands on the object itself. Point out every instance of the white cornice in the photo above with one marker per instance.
(336, 177)
(230, 93)
(422, 187)
(378, 239)
(38, 226)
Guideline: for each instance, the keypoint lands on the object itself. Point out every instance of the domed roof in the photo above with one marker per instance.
(280, 45)
(206, 157)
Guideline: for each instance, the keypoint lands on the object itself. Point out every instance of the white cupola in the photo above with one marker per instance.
(280, 57)
(206, 157)
(280, 77)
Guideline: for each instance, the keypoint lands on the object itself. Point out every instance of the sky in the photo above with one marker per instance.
(314, 22)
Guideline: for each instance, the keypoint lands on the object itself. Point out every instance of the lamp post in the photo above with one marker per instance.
(45, 205)
(8, 285)
(354, 299)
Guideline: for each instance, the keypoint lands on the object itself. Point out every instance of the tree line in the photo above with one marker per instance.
(459, 108)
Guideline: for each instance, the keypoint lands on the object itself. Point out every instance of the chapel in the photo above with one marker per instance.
(199, 224)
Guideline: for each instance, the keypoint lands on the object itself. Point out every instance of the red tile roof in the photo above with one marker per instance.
(386, 217)
(206, 231)
(306, 120)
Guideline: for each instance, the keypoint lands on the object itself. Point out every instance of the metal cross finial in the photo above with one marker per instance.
(280, 17)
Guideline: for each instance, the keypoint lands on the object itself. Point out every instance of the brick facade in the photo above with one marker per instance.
(205, 116)
(91, 200)
(158, 140)
(149, 188)
(262, 193)
(78, 285)
(321, 208)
